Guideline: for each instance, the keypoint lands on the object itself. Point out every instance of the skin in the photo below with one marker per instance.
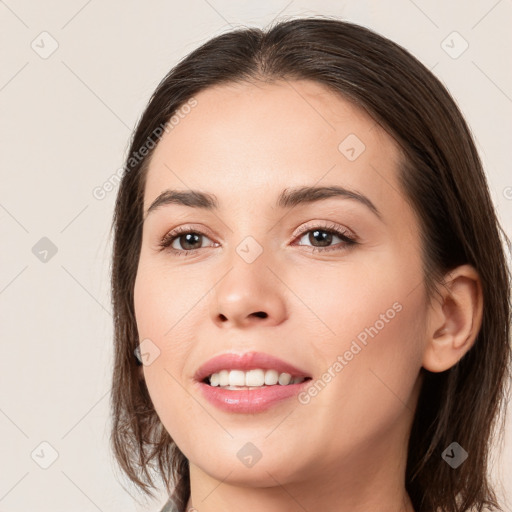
(346, 449)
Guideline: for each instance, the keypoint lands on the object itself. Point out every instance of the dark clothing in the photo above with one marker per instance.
(170, 507)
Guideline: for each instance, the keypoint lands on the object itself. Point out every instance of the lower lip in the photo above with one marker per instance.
(250, 400)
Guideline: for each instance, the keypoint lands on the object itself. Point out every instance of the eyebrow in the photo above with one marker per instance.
(288, 198)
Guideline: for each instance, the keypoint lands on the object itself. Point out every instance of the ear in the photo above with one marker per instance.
(454, 319)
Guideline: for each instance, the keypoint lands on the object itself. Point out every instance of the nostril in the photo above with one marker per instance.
(261, 314)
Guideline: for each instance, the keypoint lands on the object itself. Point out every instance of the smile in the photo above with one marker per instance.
(250, 382)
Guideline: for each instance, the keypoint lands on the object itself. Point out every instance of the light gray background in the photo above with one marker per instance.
(66, 119)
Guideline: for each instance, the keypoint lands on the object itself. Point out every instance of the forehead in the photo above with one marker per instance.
(251, 137)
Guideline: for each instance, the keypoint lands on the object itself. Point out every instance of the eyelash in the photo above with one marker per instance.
(333, 229)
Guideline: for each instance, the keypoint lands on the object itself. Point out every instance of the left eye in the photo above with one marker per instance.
(324, 237)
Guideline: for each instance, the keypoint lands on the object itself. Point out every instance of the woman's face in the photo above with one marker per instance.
(329, 284)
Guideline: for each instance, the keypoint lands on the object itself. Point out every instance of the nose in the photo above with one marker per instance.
(249, 294)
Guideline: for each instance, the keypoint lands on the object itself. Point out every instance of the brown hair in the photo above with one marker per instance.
(444, 182)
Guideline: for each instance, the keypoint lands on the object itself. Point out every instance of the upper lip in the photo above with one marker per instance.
(246, 361)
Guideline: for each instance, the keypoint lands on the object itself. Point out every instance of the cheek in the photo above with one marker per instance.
(164, 297)
(166, 309)
(376, 303)
(370, 351)
(372, 366)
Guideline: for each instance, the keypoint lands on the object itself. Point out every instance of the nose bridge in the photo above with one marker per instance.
(250, 235)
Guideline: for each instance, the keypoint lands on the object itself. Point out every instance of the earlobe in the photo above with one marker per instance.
(454, 319)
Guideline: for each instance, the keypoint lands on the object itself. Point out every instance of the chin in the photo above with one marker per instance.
(251, 463)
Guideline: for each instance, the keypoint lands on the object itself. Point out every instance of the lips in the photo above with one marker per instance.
(247, 361)
(249, 400)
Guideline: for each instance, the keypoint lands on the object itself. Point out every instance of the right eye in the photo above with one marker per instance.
(185, 237)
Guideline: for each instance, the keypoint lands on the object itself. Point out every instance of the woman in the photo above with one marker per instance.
(310, 291)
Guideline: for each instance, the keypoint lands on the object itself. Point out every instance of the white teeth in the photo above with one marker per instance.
(237, 378)
(223, 378)
(234, 379)
(255, 378)
(271, 377)
(285, 379)
(215, 379)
